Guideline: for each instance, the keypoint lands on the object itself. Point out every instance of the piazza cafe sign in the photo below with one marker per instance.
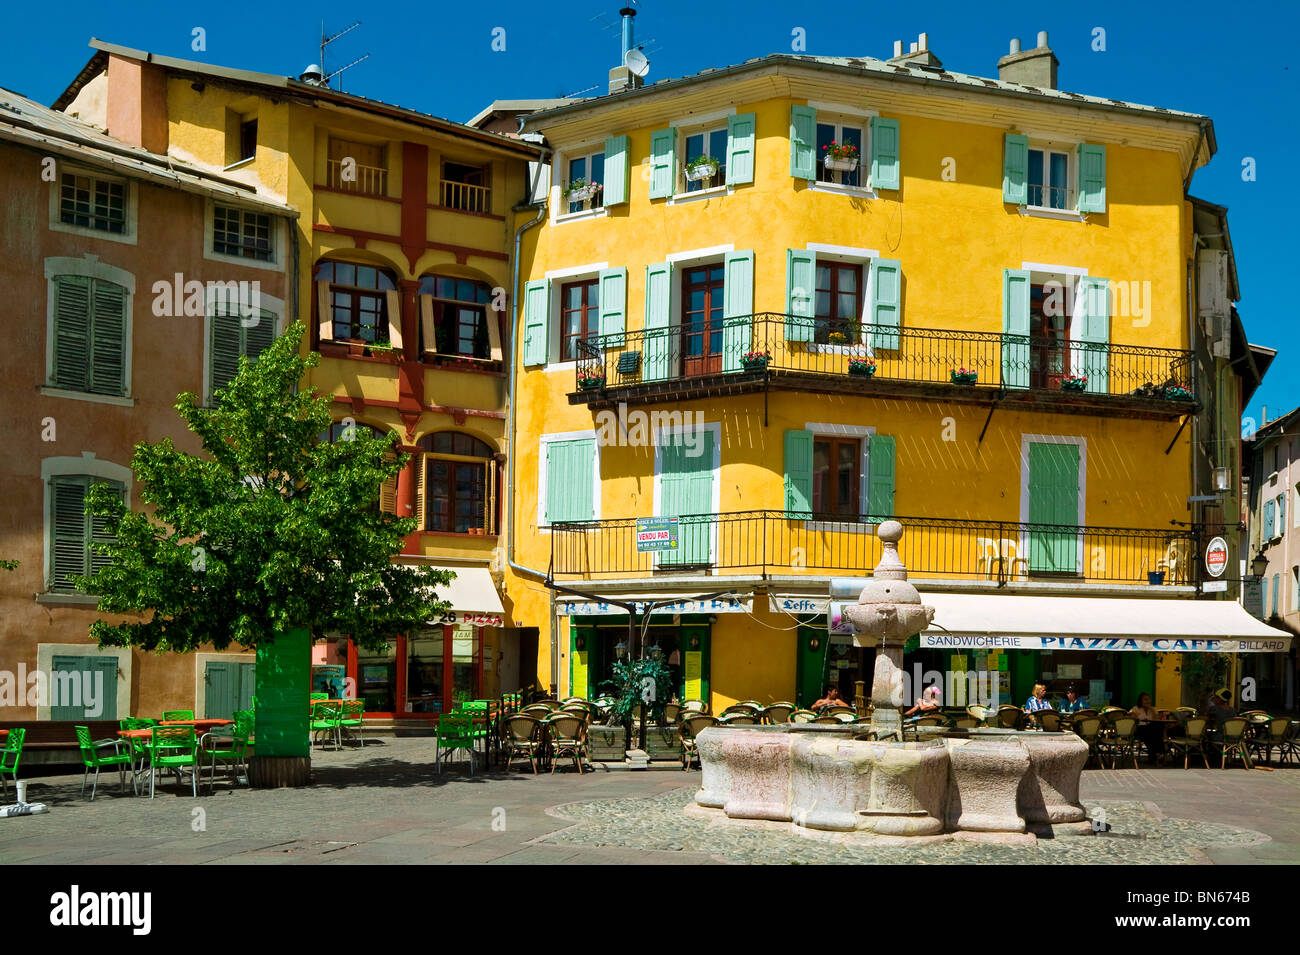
(946, 641)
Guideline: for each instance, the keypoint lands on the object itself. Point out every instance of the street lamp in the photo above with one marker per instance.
(1259, 566)
(1221, 479)
(620, 649)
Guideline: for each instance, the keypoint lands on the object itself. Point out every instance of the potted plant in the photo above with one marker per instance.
(837, 338)
(862, 367)
(1074, 382)
(1177, 393)
(841, 157)
(580, 190)
(590, 379)
(755, 360)
(701, 168)
(964, 376)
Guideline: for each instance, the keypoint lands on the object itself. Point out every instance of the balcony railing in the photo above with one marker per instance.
(466, 197)
(369, 180)
(778, 543)
(819, 355)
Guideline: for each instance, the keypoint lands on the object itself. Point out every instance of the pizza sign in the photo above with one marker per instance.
(1216, 557)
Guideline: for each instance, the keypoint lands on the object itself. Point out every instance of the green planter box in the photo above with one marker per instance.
(663, 743)
(605, 744)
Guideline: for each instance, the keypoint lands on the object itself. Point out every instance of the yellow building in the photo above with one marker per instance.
(814, 292)
(402, 261)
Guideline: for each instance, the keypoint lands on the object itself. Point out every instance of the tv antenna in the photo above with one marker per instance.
(326, 41)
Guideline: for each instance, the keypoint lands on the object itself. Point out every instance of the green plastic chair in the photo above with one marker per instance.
(173, 747)
(169, 715)
(232, 749)
(92, 757)
(352, 716)
(325, 718)
(454, 732)
(9, 757)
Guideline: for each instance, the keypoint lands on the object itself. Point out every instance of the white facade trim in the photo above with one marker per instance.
(131, 198)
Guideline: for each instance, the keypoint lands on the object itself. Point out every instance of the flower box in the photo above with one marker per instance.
(837, 338)
(1175, 393)
(1070, 383)
(582, 191)
(840, 163)
(962, 376)
(753, 364)
(699, 171)
(591, 384)
(862, 369)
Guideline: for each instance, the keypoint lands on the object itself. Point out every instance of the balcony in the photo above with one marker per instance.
(673, 364)
(466, 197)
(777, 543)
(361, 179)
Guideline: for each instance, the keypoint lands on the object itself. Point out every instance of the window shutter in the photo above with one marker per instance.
(886, 304)
(618, 171)
(420, 465)
(737, 307)
(493, 319)
(613, 305)
(1269, 519)
(803, 143)
(740, 148)
(428, 333)
(880, 481)
(108, 339)
(569, 480)
(1281, 512)
(663, 162)
(1015, 169)
(71, 332)
(490, 499)
(537, 302)
(1015, 328)
(884, 153)
(324, 312)
(800, 294)
(388, 495)
(224, 350)
(1091, 354)
(106, 668)
(394, 300)
(658, 335)
(99, 535)
(1277, 585)
(798, 473)
(67, 532)
(1092, 178)
(258, 337)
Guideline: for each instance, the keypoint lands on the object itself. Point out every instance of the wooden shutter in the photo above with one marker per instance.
(259, 337)
(1015, 328)
(886, 304)
(224, 349)
(490, 498)
(803, 143)
(737, 307)
(880, 476)
(800, 294)
(1270, 519)
(98, 534)
(613, 305)
(324, 312)
(388, 496)
(686, 492)
(68, 532)
(66, 698)
(569, 480)
(394, 300)
(421, 482)
(1090, 355)
(663, 162)
(247, 685)
(220, 689)
(740, 148)
(537, 303)
(1092, 177)
(658, 338)
(618, 170)
(798, 473)
(1053, 500)
(428, 332)
(103, 670)
(1015, 169)
(108, 338)
(884, 153)
(493, 319)
(71, 332)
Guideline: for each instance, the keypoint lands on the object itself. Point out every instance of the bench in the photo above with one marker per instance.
(51, 742)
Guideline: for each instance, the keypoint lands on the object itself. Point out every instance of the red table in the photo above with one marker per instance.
(200, 726)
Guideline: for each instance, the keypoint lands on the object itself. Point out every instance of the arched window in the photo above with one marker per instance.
(356, 303)
(455, 318)
(341, 431)
(460, 484)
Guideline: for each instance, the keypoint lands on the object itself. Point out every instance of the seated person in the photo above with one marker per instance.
(1037, 700)
(1073, 702)
(1152, 734)
(832, 697)
(1220, 708)
(927, 703)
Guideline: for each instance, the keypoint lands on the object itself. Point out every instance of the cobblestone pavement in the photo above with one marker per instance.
(386, 804)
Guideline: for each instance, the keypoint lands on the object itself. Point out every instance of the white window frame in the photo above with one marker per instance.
(269, 302)
(130, 233)
(1068, 275)
(840, 115)
(559, 179)
(87, 465)
(660, 434)
(691, 126)
(1022, 543)
(543, 476)
(863, 434)
(1067, 148)
(88, 266)
(588, 153)
(847, 255)
(278, 238)
(556, 278)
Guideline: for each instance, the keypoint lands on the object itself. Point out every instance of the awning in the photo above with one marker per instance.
(473, 598)
(577, 607)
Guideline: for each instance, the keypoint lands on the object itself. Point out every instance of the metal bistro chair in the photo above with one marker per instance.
(802, 716)
(173, 747)
(695, 706)
(691, 727)
(227, 746)
(92, 757)
(1010, 717)
(739, 718)
(455, 732)
(9, 757)
(1192, 741)
(745, 708)
(325, 718)
(170, 715)
(1049, 720)
(1234, 743)
(568, 738)
(1274, 737)
(352, 717)
(1088, 729)
(1122, 741)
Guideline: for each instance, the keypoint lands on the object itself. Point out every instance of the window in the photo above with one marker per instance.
(234, 336)
(836, 476)
(828, 133)
(358, 300)
(458, 309)
(466, 187)
(90, 335)
(711, 143)
(703, 292)
(72, 531)
(241, 233)
(838, 305)
(460, 484)
(580, 315)
(93, 203)
(1049, 179)
(248, 139)
(1049, 323)
(591, 170)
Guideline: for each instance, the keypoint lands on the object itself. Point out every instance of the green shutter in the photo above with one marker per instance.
(618, 170)
(569, 480)
(224, 350)
(68, 532)
(537, 303)
(220, 689)
(1015, 169)
(663, 162)
(658, 334)
(740, 148)
(737, 307)
(800, 295)
(884, 153)
(613, 305)
(880, 480)
(686, 491)
(1090, 355)
(108, 339)
(803, 143)
(886, 304)
(1015, 328)
(1092, 178)
(1054, 500)
(259, 336)
(1269, 518)
(798, 473)
(71, 332)
(86, 680)
(247, 685)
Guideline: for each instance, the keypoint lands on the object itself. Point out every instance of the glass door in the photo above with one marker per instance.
(701, 330)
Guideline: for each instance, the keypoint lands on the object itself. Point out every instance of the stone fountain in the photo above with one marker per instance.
(865, 778)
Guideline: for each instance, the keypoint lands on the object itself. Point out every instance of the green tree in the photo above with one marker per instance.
(8, 564)
(270, 539)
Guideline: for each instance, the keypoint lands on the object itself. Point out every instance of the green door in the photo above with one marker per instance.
(1054, 499)
(228, 686)
(810, 665)
(83, 688)
(686, 491)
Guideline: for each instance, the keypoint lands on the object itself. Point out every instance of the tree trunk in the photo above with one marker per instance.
(282, 755)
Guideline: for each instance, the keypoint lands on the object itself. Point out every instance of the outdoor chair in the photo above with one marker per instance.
(521, 735)
(979, 712)
(825, 719)
(227, 746)
(671, 712)
(691, 726)
(325, 718)
(965, 722)
(834, 709)
(802, 716)
(9, 757)
(170, 715)
(1009, 555)
(175, 748)
(739, 718)
(352, 717)
(319, 696)
(1088, 729)
(845, 716)
(1191, 741)
(1122, 741)
(1234, 743)
(538, 711)
(1274, 737)
(94, 757)
(568, 738)
(740, 708)
(1010, 717)
(986, 556)
(137, 746)
(455, 732)
(778, 713)
(1049, 720)
(695, 706)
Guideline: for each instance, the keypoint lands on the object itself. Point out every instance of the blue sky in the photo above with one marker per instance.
(1232, 62)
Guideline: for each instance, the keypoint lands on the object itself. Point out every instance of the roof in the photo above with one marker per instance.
(519, 106)
(1211, 224)
(27, 123)
(287, 87)
(1289, 423)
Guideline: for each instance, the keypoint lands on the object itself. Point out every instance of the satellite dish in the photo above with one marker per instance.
(636, 62)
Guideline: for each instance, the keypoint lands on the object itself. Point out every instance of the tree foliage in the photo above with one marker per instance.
(270, 528)
(645, 682)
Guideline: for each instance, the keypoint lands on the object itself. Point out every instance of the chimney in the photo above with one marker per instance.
(1036, 67)
(918, 55)
(620, 77)
(136, 111)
